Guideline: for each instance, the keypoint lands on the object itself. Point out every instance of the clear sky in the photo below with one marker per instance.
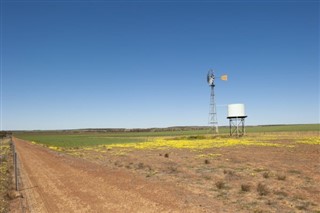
(136, 64)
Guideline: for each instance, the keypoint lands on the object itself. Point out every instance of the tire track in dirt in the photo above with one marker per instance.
(59, 183)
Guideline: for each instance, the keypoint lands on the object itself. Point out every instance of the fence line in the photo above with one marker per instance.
(17, 177)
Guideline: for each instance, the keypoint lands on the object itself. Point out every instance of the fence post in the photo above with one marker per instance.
(16, 170)
(15, 163)
(13, 151)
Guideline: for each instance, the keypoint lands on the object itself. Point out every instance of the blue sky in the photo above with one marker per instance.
(137, 64)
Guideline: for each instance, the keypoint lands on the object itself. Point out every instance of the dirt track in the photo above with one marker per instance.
(53, 182)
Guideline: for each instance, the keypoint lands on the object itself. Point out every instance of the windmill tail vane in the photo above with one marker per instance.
(224, 77)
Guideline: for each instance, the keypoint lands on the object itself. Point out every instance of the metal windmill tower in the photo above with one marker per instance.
(212, 111)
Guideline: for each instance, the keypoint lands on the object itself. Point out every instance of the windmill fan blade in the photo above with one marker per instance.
(224, 77)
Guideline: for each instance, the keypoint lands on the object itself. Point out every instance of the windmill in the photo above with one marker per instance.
(212, 111)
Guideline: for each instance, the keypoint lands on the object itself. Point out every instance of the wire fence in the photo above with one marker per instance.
(18, 183)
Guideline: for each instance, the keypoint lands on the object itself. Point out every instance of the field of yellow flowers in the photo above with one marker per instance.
(162, 143)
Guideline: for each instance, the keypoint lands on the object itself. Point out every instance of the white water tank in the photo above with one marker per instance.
(236, 110)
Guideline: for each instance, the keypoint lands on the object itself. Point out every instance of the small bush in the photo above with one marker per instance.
(292, 171)
(303, 206)
(281, 177)
(281, 193)
(166, 155)
(129, 165)
(151, 173)
(140, 166)
(266, 174)
(228, 172)
(206, 161)
(117, 163)
(207, 177)
(220, 184)
(14, 194)
(262, 189)
(245, 187)
(148, 168)
(172, 169)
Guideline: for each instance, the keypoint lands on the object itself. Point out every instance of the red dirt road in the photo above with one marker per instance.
(52, 182)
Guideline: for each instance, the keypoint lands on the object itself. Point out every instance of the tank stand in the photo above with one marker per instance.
(237, 126)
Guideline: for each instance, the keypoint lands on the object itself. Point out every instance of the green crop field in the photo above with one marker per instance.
(284, 128)
(83, 138)
(75, 140)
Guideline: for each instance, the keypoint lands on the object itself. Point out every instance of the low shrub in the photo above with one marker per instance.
(245, 187)
(220, 184)
(262, 189)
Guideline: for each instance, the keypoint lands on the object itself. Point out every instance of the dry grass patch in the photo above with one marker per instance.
(281, 193)
(221, 184)
(6, 173)
(292, 171)
(172, 169)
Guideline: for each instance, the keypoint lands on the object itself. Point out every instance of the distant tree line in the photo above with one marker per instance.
(101, 130)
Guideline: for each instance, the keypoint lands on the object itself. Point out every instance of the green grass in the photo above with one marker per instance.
(155, 134)
(75, 140)
(284, 128)
(69, 139)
